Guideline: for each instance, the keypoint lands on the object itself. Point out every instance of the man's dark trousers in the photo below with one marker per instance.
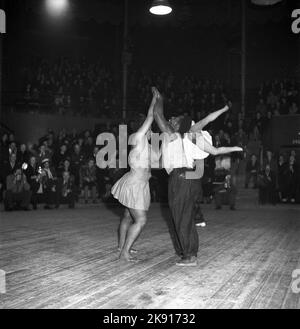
(181, 196)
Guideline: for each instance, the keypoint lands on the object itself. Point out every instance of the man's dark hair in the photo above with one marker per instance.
(185, 125)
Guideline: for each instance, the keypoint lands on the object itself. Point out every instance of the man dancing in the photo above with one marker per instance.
(179, 154)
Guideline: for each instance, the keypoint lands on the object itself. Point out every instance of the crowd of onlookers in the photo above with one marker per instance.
(278, 97)
(61, 168)
(188, 94)
(65, 86)
(276, 177)
(86, 87)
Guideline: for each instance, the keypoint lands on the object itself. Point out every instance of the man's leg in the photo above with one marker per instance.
(172, 193)
(183, 215)
(199, 218)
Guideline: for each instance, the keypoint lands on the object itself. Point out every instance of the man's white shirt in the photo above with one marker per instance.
(178, 152)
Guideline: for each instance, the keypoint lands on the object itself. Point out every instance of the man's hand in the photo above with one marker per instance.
(155, 92)
(228, 106)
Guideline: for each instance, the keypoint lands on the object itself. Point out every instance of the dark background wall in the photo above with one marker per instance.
(198, 39)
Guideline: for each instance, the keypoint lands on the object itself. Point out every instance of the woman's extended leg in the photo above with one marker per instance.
(125, 223)
(140, 219)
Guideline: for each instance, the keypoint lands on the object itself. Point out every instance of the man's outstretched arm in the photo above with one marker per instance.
(210, 118)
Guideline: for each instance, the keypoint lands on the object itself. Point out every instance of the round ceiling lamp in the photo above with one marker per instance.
(57, 7)
(160, 7)
(265, 2)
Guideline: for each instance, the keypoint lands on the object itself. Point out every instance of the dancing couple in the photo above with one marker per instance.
(133, 192)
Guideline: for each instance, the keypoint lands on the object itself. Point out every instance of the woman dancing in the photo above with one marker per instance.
(132, 190)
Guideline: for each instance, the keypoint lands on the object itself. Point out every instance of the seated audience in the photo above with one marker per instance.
(271, 161)
(291, 177)
(49, 181)
(17, 194)
(65, 190)
(89, 180)
(281, 181)
(34, 180)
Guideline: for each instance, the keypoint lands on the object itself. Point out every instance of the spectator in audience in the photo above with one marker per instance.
(267, 186)
(224, 188)
(293, 110)
(12, 147)
(77, 158)
(88, 147)
(34, 180)
(261, 107)
(258, 122)
(49, 180)
(17, 194)
(60, 156)
(65, 166)
(252, 169)
(65, 190)
(271, 161)
(207, 179)
(281, 181)
(43, 154)
(10, 166)
(240, 138)
(30, 149)
(291, 177)
(4, 154)
(23, 155)
(89, 180)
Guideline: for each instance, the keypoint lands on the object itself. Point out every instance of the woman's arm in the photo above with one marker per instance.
(211, 117)
(148, 122)
(162, 123)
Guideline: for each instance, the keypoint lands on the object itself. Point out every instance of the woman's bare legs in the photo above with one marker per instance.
(133, 232)
(125, 223)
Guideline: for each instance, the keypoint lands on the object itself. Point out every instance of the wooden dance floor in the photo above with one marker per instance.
(68, 259)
